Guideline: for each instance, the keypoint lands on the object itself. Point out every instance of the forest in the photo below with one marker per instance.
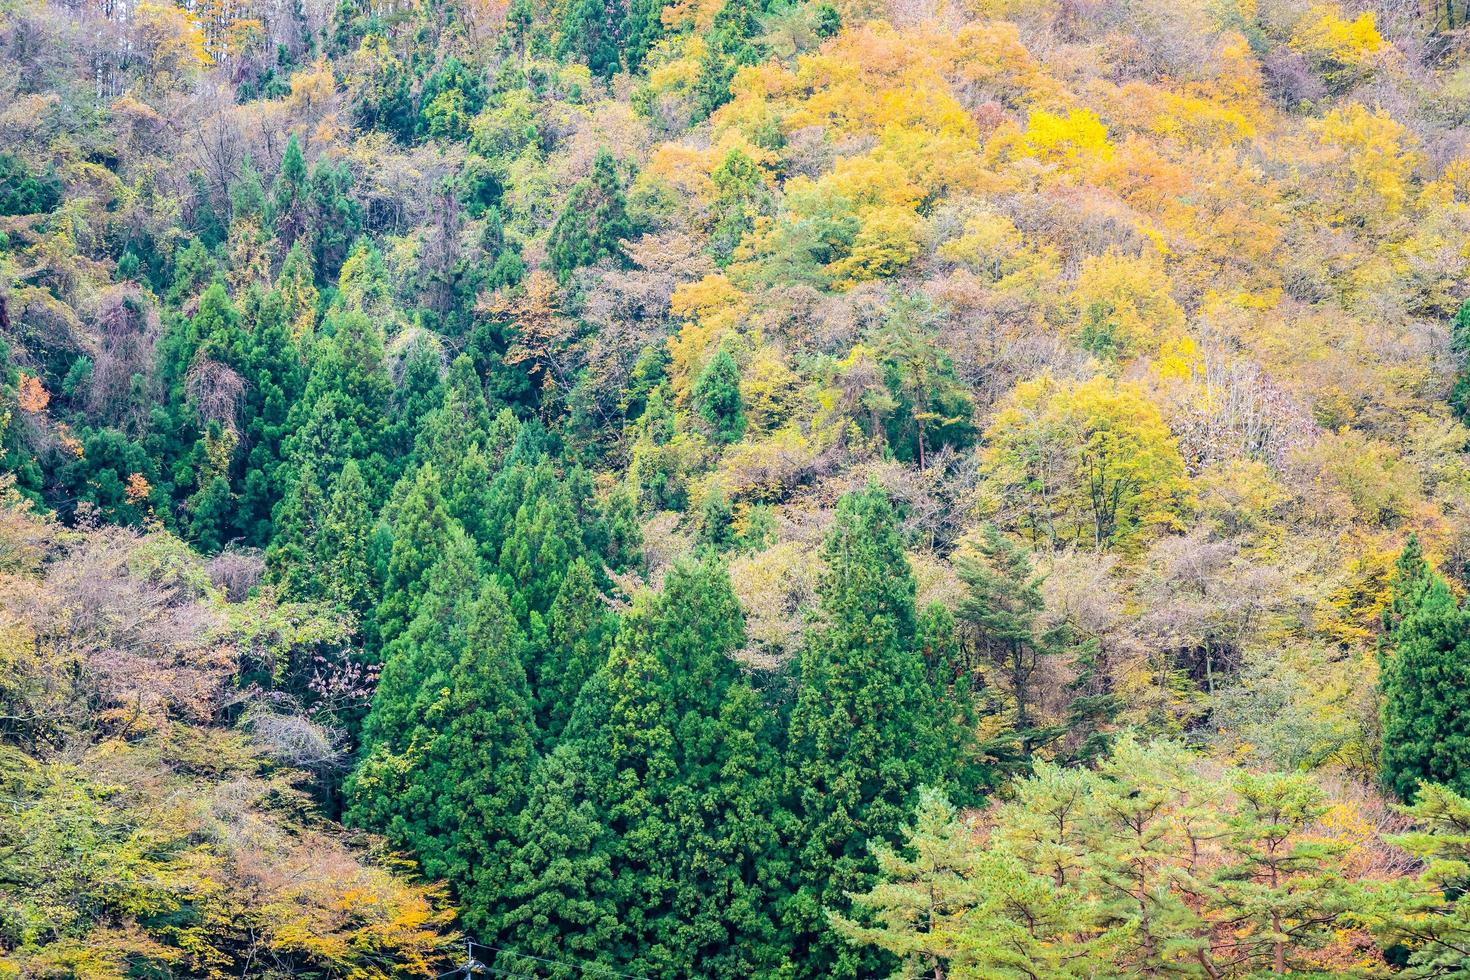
(718, 489)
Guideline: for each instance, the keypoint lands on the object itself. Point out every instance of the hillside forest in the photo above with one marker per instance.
(716, 489)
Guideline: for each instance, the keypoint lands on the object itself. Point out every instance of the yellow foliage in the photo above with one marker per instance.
(1089, 463)
(1366, 161)
(173, 37)
(1124, 307)
(1341, 49)
(769, 389)
(710, 308)
(1071, 138)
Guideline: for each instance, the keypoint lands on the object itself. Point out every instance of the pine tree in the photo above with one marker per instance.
(1426, 692)
(1000, 616)
(1283, 891)
(863, 734)
(716, 397)
(594, 221)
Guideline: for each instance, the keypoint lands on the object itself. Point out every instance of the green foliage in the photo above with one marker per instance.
(450, 738)
(22, 192)
(1426, 686)
(594, 221)
(1147, 866)
(716, 397)
(865, 731)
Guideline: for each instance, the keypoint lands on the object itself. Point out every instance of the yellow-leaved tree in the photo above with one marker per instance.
(1089, 463)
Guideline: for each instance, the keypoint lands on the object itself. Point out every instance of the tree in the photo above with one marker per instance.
(932, 408)
(716, 396)
(1426, 692)
(449, 743)
(589, 31)
(578, 631)
(289, 208)
(954, 909)
(678, 750)
(1430, 917)
(1090, 463)
(560, 893)
(343, 410)
(1282, 890)
(1155, 864)
(271, 369)
(593, 223)
(1000, 613)
(865, 732)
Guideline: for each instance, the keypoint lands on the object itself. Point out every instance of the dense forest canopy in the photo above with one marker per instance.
(734, 488)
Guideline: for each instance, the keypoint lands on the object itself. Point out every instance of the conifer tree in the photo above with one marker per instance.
(593, 222)
(1000, 616)
(419, 391)
(679, 752)
(288, 194)
(716, 397)
(342, 413)
(560, 893)
(1426, 692)
(589, 31)
(291, 558)
(421, 527)
(271, 368)
(343, 546)
(863, 734)
(450, 738)
(579, 628)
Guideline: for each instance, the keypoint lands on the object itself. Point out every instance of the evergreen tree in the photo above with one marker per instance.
(679, 752)
(732, 43)
(297, 285)
(247, 195)
(864, 733)
(1426, 693)
(290, 560)
(343, 411)
(450, 738)
(593, 222)
(271, 368)
(419, 392)
(1460, 346)
(343, 545)
(289, 194)
(1000, 615)
(560, 894)
(579, 629)
(333, 217)
(589, 32)
(716, 397)
(421, 528)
